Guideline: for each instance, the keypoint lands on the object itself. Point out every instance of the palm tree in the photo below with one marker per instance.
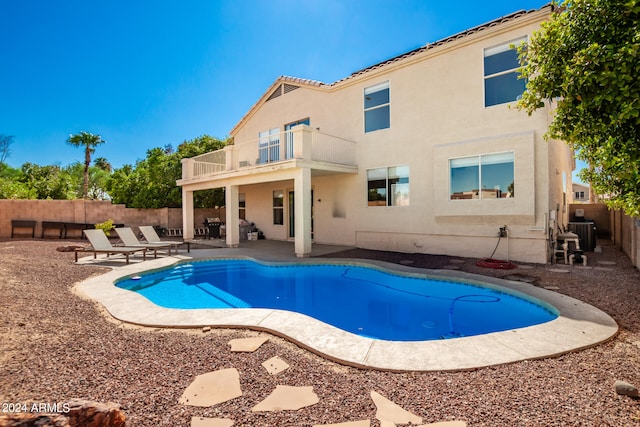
(89, 141)
(103, 163)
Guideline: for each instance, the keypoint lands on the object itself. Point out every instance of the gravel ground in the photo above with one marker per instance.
(55, 346)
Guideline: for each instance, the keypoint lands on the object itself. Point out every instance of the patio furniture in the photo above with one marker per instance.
(22, 224)
(101, 244)
(72, 226)
(128, 238)
(151, 236)
(53, 225)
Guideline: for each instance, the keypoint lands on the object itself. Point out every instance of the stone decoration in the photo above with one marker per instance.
(390, 413)
(94, 414)
(212, 388)
(362, 423)
(275, 365)
(211, 422)
(446, 424)
(288, 398)
(626, 389)
(250, 344)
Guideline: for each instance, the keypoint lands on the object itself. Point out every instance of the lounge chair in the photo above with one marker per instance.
(151, 236)
(100, 244)
(129, 239)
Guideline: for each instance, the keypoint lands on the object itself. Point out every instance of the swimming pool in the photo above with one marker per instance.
(362, 300)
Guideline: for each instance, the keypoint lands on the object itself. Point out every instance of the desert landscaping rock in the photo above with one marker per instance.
(55, 345)
(249, 345)
(19, 419)
(361, 423)
(288, 398)
(211, 422)
(626, 389)
(275, 365)
(95, 414)
(391, 413)
(212, 388)
(446, 424)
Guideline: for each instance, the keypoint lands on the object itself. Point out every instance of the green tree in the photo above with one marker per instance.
(12, 184)
(48, 182)
(151, 183)
(103, 164)
(98, 177)
(89, 141)
(587, 59)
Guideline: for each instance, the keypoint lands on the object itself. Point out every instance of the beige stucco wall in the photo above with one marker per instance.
(437, 113)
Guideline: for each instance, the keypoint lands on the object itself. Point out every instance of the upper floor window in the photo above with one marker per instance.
(376, 107)
(269, 146)
(388, 186)
(489, 176)
(501, 82)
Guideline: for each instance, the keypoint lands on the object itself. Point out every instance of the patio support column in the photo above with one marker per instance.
(187, 214)
(302, 191)
(232, 226)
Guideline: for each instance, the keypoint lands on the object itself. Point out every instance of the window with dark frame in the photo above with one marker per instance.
(376, 107)
(278, 207)
(388, 186)
(487, 176)
(501, 78)
(242, 204)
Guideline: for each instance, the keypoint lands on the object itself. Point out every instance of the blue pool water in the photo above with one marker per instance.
(362, 300)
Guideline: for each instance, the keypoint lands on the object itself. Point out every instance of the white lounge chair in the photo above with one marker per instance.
(101, 244)
(151, 236)
(129, 238)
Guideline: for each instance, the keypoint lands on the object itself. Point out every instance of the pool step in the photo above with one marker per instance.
(231, 301)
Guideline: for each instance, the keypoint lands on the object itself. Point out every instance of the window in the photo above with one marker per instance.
(269, 146)
(579, 194)
(278, 207)
(288, 153)
(488, 176)
(501, 82)
(388, 186)
(242, 205)
(376, 107)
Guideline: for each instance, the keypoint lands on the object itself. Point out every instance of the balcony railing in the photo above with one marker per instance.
(302, 142)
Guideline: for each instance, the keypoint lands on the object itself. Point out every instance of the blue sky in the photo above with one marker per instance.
(148, 73)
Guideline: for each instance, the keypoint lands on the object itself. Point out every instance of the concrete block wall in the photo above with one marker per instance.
(598, 212)
(91, 212)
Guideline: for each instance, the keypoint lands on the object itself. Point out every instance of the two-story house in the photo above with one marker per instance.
(424, 152)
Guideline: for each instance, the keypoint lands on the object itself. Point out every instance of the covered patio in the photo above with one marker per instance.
(306, 153)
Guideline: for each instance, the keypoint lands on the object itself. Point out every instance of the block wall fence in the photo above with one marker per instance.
(92, 212)
(623, 230)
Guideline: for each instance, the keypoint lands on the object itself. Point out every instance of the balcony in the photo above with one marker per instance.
(302, 143)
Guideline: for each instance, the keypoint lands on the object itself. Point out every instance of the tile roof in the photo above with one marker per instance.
(441, 42)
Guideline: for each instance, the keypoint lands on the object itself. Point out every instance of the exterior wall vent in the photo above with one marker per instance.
(288, 88)
(282, 89)
(276, 93)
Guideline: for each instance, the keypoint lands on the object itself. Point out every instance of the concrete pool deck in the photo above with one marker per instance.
(578, 326)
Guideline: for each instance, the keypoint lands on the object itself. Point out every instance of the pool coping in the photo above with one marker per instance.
(578, 326)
